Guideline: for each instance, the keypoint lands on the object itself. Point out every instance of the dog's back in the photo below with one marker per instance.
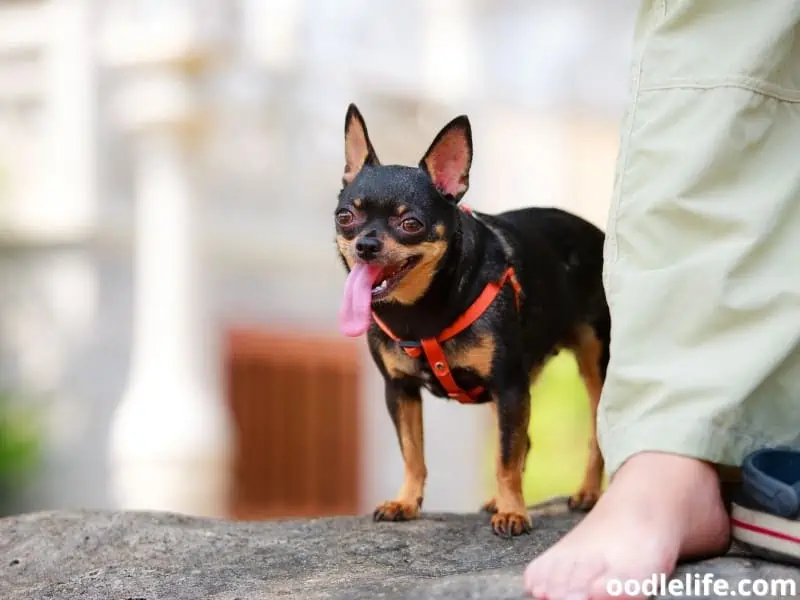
(576, 243)
(560, 263)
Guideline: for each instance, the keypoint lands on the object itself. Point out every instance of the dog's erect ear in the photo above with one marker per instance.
(358, 150)
(449, 158)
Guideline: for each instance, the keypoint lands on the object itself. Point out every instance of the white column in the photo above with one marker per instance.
(69, 186)
(53, 194)
(171, 440)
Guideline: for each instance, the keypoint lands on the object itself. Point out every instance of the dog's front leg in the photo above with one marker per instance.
(513, 404)
(405, 408)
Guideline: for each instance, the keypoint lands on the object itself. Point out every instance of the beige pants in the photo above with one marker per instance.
(702, 259)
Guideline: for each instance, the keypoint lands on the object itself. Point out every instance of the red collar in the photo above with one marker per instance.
(432, 346)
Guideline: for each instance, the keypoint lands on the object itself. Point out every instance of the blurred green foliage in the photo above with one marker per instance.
(19, 446)
(559, 431)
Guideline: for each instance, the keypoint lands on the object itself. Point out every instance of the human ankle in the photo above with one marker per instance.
(682, 490)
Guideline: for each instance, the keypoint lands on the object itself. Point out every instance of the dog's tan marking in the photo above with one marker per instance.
(439, 229)
(511, 516)
(346, 248)
(533, 376)
(416, 282)
(358, 203)
(401, 210)
(397, 363)
(588, 351)
(491, 505)
(477, 357)
(407, 504)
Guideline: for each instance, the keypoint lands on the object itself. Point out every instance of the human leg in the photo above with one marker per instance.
(702, 281)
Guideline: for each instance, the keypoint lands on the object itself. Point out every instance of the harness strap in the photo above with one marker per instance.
(438, 362)
(483, 302)
(432, 346)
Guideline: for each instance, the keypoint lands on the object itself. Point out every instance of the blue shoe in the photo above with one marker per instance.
(765, 516)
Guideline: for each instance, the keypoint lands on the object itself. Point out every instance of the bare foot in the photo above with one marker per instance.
(658, 508)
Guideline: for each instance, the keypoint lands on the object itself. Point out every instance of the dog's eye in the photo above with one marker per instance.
(411, 226)
(344, 218)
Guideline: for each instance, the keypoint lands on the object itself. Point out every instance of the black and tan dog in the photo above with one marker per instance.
(465, 304)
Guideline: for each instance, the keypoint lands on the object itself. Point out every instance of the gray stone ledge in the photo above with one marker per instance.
(91, 555)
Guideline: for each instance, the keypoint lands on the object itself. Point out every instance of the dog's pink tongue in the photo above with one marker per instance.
(355, 313)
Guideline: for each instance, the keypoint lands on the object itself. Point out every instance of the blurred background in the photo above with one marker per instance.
(168, 278)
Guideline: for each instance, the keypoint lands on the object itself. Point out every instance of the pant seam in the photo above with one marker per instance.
(611, 234)
(742, 82)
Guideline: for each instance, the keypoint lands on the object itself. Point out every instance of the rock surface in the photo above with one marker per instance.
(144, 556)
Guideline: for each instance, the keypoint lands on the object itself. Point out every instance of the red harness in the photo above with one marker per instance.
(432, 346)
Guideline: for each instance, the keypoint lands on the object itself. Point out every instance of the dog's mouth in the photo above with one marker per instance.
(365, 284)
(390, 276)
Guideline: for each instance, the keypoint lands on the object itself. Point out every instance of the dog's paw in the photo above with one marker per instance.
(511, 524)
(584, 499)
(490, 507)
(396, 511)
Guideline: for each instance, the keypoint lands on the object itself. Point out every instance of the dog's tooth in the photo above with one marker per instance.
(380, 287)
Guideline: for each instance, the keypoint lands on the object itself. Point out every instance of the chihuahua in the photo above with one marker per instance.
(467, 305)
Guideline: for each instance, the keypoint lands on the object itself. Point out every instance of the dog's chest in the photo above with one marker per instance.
(469, 363)
(429, 381)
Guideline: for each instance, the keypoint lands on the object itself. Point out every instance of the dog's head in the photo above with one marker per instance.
(394, 223)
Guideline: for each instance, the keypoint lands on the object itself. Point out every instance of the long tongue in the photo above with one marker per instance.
(355, 313)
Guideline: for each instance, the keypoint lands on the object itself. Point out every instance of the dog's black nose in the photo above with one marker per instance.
(368, 247)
